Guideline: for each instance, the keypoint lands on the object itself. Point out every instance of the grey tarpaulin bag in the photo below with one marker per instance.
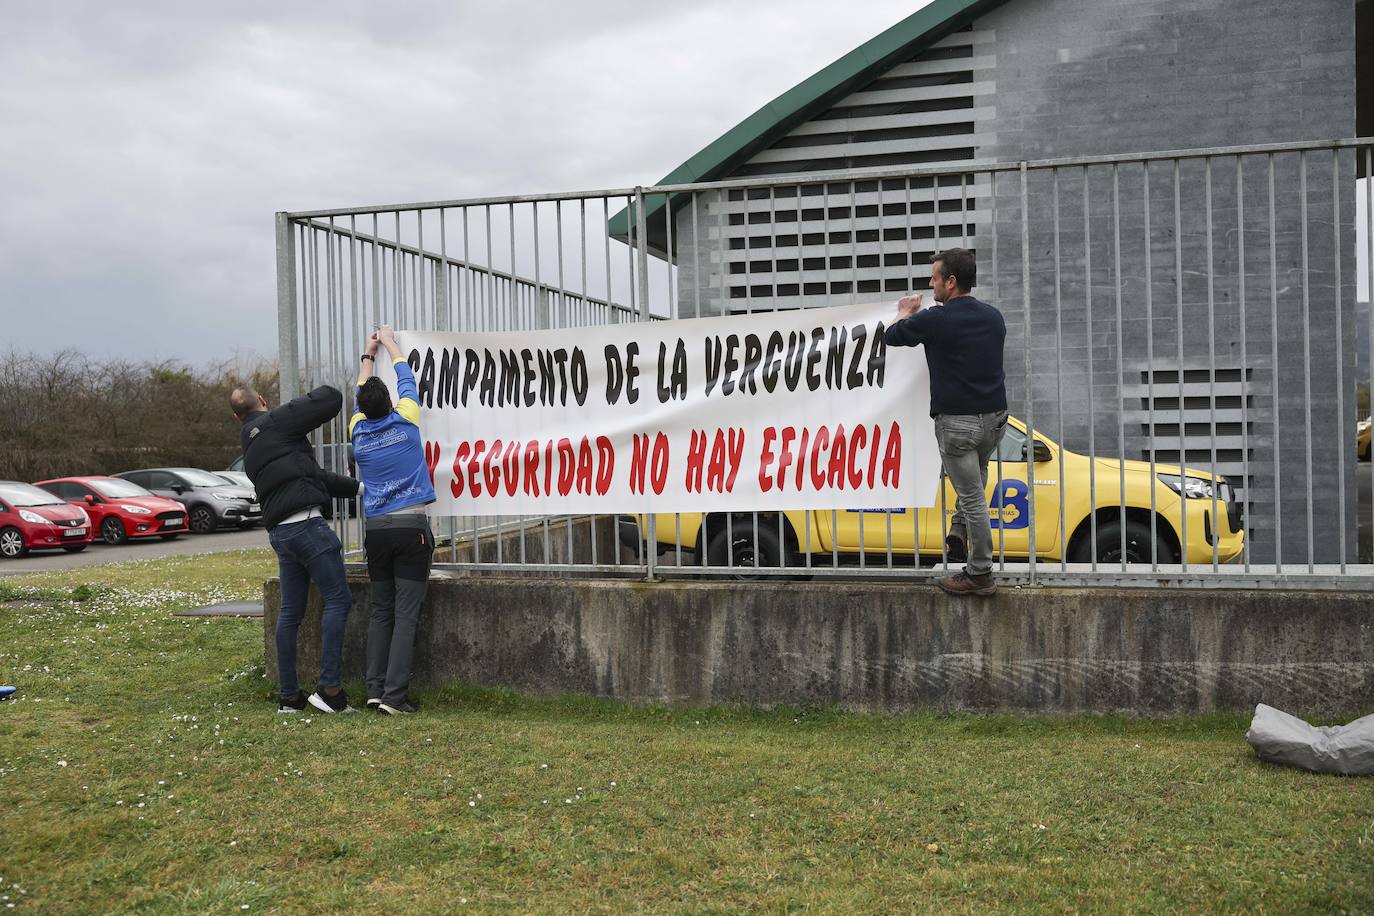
(1280, 738)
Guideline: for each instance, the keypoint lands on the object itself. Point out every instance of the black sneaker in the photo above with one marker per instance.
(373, 703)
(956, 548)
(326, 703)
(292, 704)
(403, 708)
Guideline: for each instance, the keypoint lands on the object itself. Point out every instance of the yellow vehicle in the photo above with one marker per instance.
(1091, 519)
(1362, 439)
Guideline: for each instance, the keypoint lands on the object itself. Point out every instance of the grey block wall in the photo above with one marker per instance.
(1073, 78)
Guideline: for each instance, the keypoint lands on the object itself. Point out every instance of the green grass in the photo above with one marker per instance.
(143, 768)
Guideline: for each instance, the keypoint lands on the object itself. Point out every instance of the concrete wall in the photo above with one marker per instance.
(883, 646)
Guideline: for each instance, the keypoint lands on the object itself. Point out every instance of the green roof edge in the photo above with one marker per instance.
(812, 95)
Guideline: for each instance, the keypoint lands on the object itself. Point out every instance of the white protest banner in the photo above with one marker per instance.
(782, 410)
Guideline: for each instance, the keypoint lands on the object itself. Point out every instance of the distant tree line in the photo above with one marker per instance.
(66, 414)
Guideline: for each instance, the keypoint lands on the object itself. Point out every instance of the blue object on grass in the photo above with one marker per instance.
(6, 691)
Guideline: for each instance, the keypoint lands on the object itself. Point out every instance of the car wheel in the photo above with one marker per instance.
(169, 537)
(202, 519)
(736, 542)
(75, 548)
(112, 531)
(1138, 538)
(12, 544)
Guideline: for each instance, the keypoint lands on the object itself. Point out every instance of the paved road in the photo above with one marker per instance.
(146, 549)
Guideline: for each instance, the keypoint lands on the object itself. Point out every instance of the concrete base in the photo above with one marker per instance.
(882, 646)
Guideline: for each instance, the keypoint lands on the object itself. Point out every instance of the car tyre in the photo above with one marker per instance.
(12, 545)
(741, 534)
(112, 531)
(75, 548)
(202, 519)
(1138, 538)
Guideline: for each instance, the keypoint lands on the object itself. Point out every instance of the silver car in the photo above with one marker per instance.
(211, 501)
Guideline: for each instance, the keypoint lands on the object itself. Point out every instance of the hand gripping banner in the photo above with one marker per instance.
(803, 409)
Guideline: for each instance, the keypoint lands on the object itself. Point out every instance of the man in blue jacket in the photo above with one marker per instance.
(294, 491)
(963, 339)
(400, 546)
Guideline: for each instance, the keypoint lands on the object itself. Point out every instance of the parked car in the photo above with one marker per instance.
(237, 478)
(120, 509)
(1092, 521)
(34, 519)
(211, 502)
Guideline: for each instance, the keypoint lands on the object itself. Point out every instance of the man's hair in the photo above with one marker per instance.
(243, 401)
(959, 264)
(373, 399)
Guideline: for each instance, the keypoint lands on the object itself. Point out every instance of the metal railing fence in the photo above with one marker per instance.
(1187, 309)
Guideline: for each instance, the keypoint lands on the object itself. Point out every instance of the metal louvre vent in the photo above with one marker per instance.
(804, 246)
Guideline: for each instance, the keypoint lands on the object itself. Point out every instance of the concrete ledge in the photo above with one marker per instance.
(882, 646)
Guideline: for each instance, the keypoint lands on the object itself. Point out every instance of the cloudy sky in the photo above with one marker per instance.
(145, 146)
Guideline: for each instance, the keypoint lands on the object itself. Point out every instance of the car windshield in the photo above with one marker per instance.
(201, 478)
(21, 494)
(118, 489)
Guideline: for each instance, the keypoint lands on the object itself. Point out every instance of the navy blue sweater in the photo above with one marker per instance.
(963, 340)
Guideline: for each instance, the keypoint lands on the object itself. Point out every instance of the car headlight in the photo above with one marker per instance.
(85, 519)
(33, 517)
(136, 510)
(1196, 487)
(227, 498)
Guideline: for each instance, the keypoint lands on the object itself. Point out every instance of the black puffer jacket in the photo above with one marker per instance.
(280, 461)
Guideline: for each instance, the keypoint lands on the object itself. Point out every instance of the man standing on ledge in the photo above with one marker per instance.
(963, 339)
(294, 490)
(400, 546)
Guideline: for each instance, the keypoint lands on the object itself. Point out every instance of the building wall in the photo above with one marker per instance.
(1068, 78)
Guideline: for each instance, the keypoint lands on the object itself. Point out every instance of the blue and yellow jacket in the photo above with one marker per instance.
(389, 452)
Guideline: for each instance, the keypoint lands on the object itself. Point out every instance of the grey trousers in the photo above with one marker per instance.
(967, 442)
(400, 549)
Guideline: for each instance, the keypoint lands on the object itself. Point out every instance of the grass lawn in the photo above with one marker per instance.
(143, 767)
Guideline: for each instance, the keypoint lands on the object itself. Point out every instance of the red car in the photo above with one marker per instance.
(119, 509)
(34, 519)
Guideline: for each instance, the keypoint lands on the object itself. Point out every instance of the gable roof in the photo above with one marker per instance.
(810, 97)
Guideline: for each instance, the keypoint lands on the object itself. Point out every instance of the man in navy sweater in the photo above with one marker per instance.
(963, 340)
(400, 545)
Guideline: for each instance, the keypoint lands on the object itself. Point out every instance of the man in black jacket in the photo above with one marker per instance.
(963, 339)
(294, 490)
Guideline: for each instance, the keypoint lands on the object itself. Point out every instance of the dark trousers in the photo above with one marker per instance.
(400, 549)
(308, 552)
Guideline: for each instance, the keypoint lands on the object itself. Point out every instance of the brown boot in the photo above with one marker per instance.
(961, 583)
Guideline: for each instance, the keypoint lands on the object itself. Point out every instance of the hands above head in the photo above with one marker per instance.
(372, 344)
(386, 334)
(909, 305)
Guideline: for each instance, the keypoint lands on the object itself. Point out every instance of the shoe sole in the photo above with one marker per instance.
(392, 710)
(985, 590)
(288, 711)
(322, 705)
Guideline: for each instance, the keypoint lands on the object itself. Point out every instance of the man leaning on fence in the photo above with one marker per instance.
(963, 340)
(400, 545)
(294, 490)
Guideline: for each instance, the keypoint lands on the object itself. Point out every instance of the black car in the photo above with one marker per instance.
(211, 501)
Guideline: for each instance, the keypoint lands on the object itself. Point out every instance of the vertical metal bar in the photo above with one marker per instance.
(1092, 379)
(642, 245)
(1244, 366)
(1211, 358)
(1026, 348)
(825, 215)
(882, 290)
(854, 294)
(1306, 356)
(1369, 276)
(1120, 360)
(1342, 422)
(1182, 393)
(288, 328)
(1058, 376)
(997, 293)
(937, 244)
(1274, 372)
(1150, 363)
(912, 286)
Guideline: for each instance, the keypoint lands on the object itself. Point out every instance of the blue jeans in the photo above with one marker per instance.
(967, 442)
(309, 551)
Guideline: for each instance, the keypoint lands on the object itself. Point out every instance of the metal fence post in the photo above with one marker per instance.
(288, 330)
(641, 244)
